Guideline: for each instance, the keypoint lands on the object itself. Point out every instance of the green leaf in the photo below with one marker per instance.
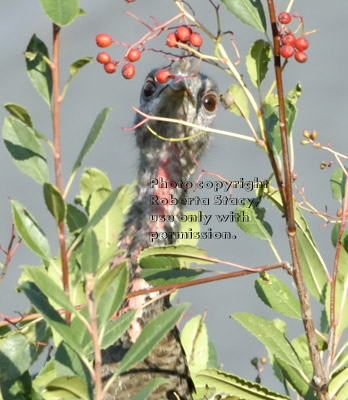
(169, 257)
(19, 389)
(92, 136)
(194, 338)
(30, 231)
(53, 319)
(160, 276)
(238, 102)
(90, 253)
(67, 388)
(271, 119)
(250, 12)
(274, 293)
(91, 180)
(61, 12)
(54, 202)
(236, 386)
(278, 346)
(338, 183)
(254, 225)
(75, 68)
(110, 291)
(19, 112)
(290, 107)
(116, 328)
(82, 12)
(338, 385)
(38, 70)
(102, 210)
(49, 287)
(312, 264)
(145, 392)
(190, 221)
(341, 303)
(16, 356)
(75, 218)
(26, 151)
(151, 334)
(257, 61)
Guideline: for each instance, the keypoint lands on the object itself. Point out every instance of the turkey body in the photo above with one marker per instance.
(192, 99)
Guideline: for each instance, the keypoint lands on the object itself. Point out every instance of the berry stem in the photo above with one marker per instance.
(57, 155)
(320, 379)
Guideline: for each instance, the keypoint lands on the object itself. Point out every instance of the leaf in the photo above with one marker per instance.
(26, 151)
(312, 264)
(236, 386)
(61, 12)
(338, 183)
(278, 347)
(19, 112)
(169, 257)
(91, 180)
(238, 102)
(257, 61)
(254, 225)
(145, 392)
(49, 287)
(338, 385)
(75, 218)
(92, 136)
(290, 107)
(54, 202)
(341, 303)
(158, 277)
(116, 328)
(194, 339)
(19, 389)
(102, 210)
(75, 68)
(250, 12)
(30, 231)
(189, 220)
(16, 356)
(90, 253)
(110, 291)
(151, 334)
(67, 387)
(53, 319)
(38, 70)
(274, 293)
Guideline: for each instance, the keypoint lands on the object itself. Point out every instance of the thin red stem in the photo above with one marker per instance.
(57, 155)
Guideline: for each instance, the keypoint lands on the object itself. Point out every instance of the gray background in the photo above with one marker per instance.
(322, 107)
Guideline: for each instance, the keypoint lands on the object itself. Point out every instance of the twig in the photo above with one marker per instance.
(57, 155)
(319, 378)
(10, 252)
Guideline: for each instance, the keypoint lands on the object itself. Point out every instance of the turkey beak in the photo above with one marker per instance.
(182, 87)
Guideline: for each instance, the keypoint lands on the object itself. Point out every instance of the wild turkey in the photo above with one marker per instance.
(193, 99)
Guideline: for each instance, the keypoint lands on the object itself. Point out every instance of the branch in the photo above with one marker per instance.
(319, 378)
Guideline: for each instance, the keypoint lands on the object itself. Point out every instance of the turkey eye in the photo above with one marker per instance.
(210, 102)
(149, 88)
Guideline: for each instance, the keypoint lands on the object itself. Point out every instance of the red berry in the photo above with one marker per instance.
(133, 55)
(301, 57)
(163, 75)
(289, 39)
(302, 43)
(128, 71)
(172, 40)
(183, 33)
(110, 67)
(196, 39)
(103, 58)
(287, 51)
(284, 18)
(103, 40)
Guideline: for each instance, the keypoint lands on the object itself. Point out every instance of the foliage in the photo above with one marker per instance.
(94, 224)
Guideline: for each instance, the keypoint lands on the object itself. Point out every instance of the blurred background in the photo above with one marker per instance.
(322, 106)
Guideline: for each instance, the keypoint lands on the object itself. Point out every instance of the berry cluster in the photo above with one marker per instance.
(290, 45)
(184, 34)
(110, 66)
